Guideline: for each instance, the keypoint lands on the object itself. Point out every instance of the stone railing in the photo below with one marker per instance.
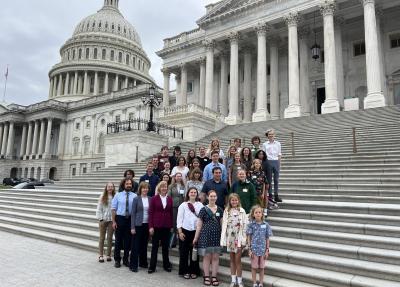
(183, 37)
(190, 108)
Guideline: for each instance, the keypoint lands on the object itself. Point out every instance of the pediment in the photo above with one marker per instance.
(227, 7)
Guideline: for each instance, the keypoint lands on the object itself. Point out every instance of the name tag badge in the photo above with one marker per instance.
(147, 180)
(244, 189)
(182, 192)
(161, 160)
(263, 226)
(205, 159)
(217, 214)
(254, 176)
(239, 168)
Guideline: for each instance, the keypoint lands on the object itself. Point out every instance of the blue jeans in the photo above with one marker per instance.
(274, 167)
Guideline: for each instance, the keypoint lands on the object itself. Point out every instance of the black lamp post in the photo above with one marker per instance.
(153, 102)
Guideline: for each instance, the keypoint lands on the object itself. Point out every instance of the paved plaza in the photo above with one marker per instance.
(31, 262)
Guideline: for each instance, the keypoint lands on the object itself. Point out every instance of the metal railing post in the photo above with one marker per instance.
(137, 154)
(354, 141)
(292, 138)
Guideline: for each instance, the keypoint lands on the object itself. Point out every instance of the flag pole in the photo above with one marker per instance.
(5, 85)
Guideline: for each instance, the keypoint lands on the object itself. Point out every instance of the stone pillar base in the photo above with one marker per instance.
(196, 121)
(330, 106)
(293, 111)
(261, 116)
(233, 120)
(374, 100)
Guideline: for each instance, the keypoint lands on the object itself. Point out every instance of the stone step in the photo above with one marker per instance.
(91, 198)
(341, 180)
(357, 228)
(340, 192)
(339, 185)
(342, 198)
(341, 217)
(339, 237)
(77, 204)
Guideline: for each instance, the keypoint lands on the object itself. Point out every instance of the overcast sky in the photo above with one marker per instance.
(33, 31)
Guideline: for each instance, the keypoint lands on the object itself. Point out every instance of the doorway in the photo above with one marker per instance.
(320, 99)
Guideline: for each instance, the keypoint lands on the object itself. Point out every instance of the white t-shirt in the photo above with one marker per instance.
(184, 171)
(186, 219)
(273, 150)
(145, 202)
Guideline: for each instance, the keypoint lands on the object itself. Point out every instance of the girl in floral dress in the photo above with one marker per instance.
(233, 236)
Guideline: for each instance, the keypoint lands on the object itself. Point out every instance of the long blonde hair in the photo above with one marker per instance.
(233, 195)
(104, 196)
(253, 209)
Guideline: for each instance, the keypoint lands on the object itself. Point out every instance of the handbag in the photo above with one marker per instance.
(173, 239)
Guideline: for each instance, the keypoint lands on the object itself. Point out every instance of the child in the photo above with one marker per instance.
(258, 234)
(233, 236)
(234, 168)
(258, 178)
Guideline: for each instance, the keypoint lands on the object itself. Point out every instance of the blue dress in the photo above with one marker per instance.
(210, 234)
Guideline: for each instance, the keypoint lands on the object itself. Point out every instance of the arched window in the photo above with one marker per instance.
(127, 59)
(100, 24)
(103, 54)
(73, 54)
(100, 148)
(112, 55)
(86, 145)
(87, 53)
(75, 146)
(95, 53)
(120, 57)
(134, 62)
(80, 54)
(106, 25)
(112, 26)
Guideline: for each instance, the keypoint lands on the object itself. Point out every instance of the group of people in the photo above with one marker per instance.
(208, 203)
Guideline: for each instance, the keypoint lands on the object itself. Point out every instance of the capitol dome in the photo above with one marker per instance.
(104, 54)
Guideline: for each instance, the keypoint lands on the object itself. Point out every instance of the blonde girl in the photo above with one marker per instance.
(258, 234)
(215, 145)
(233, 236)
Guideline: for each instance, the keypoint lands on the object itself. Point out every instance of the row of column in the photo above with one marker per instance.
(79, 84)
(299, 90)
(7, 136)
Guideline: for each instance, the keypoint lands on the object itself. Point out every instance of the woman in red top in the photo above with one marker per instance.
(160, 225)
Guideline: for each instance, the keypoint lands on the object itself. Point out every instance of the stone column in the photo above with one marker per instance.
(29, 140)
(202, 90)
(261, 113)
(178, 100)
(116, 83)
(59, 86)
(209, 75)
(61, 139)
(35, 139)
(66, 86)
(80, 84)
(224, 85)
(92, 148)
(10, 140)
(48, 137)
(106, 80)
(82, 143)
(183, 84)
(51, 88)
(294, 108)
(167, 76)
(1, 135)
(41, 137)
(23, 141)
(382, 61)
(331, 104)
(247, 106)
(96, 84)
(375, 97)
(233, 116)
(5, 139)
(75, 87)
(305, 96)
(85, 83)
(126, 82)
(339, 60)
(54, 91)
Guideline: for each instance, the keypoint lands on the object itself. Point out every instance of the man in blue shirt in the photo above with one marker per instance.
(208, 170)
(217, 184)
(121, 209)
(151, 178)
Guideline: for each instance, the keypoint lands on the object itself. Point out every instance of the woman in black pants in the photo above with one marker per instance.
(186, 224)
(140, 228)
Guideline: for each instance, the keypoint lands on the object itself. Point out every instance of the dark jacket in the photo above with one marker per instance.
(160, 217)
(137, 211)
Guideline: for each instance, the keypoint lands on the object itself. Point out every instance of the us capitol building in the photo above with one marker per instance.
(247, 60)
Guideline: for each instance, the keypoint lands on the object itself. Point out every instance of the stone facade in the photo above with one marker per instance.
(252, 61)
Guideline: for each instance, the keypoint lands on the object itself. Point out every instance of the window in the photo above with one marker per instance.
(103, 122)
(395, 41)
(103, 54)
(86, 145)
(118, 119)
(106, 26)
(73, 54)
(77, 126)
(101, 143)
(84, 170)
(190, 87)
(80, 54)
(120, 57)
(134, 62)
(75, 146)
(112, 27)
(268, 70)
(87, 124)
(127, 59)
(95, 53)
(73, 171)
(112, 55)
(99, 24)
(131, 115)
(359, 49)
(87, 53)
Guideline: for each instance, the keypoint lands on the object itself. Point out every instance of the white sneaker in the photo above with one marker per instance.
(240, 284)
(233, 284)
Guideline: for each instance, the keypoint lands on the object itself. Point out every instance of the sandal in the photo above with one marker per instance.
(206, 280)
(101, 259)
(108, 258)
(193, 276)
(214, 281)
(186, 276)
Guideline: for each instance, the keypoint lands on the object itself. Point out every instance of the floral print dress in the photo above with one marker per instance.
(232, 231)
